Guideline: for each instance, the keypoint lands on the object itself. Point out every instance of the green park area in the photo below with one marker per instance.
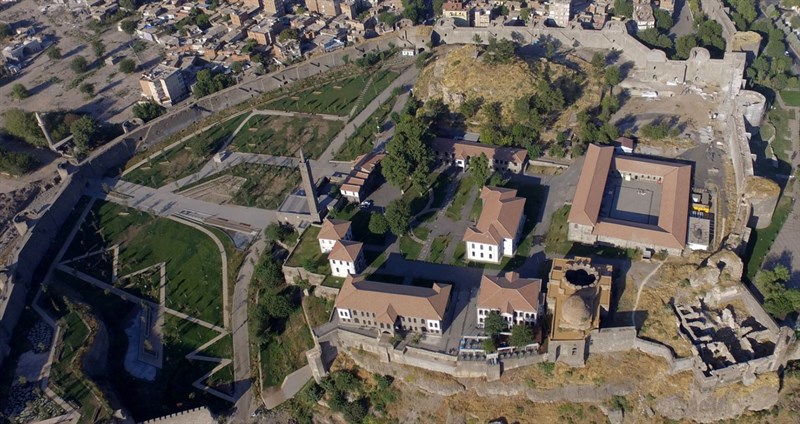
(263, 186)
(307, 254)
(336, 97)
(791, 97)
(193, 266)
(285, 136)
(361, 142)
(184, 159)
(761, 239)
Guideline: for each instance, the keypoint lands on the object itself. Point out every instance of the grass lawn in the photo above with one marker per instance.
(331, 281)
(308, 255)
(222, 380)
(172, 389)
(66, 374)
(222, 348)
(361, 142)
(99, 266)
(477, 207)
(193, 261)
(284, 136)
(459, 254)
(759, 248)
(556, 239)
(465, 187)
(421, 232)
(319, 310)
(438, 246)
(409, 248)
(185, 159)
(265, 186)
(783, 139)
(379, 83)
(286, 352)
(791, 97)
(334, 98)
(145, 285)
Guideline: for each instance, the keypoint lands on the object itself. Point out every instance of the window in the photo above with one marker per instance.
(481, 255)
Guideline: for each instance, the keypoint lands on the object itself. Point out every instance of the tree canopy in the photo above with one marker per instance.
(127, 65)
(128, 26)
(147, 111)
(521, 335)
(398, 216)
(378, 223)
(19, 91)
(479, 169)
(494, 324)
(84, 130)
(779, 300)
(207, 84)
(623, 8)
(500, 51)
(79, 64)
(415, 10)
(407, 153)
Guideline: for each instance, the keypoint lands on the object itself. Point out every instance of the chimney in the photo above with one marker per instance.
(309, 188)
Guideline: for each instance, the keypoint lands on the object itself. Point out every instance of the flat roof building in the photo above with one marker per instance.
(164, 85)
(631, 202)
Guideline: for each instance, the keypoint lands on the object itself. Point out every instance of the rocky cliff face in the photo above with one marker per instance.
(721, 404)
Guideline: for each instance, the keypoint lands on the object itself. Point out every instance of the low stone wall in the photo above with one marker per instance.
(325, 291)
(294, 274)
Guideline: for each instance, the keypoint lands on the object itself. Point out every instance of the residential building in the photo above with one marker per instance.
(346, 258)
(624, 145)
(333, 230)
(481, 17)
(164, 85)
(391, 307)
(456, 11)
(261, 33)
(498, 229)
(362, 177)
(459, 153)
(330, 8)
(287, 51)
(273, 7)
(643, 15)
(517, 300)
(578, 297)
(560, 12)
(631, 202)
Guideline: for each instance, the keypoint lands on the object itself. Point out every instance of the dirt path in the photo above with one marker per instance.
(639, 292)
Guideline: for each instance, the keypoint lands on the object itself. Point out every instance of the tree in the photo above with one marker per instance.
(147, 111)
(709, 34)
(23, 125)
(378, 224)
(19, 92)
(623, 8)
(202, 21)
(684, 45)
(488, 345)
(521, 335)
(499, 52)
(98, 48)
(471, 106)
(388, 18)
(598, 62)
(525, 14)
(79, 64)
(127, 66)
(663, 20)
(277, 232)
(654, 39)
(479, 169)
(128, 26)
(83, 130)
(288, 34)
(54, 53)
(5, 30)
(398, 216)
(276, 306)
(779, 300)
(477, 39)
(613, 76)
(16, 163)
(494, 323)
(87, 89)
(414, 10)
(128, 4)
(795, 21)
(237, 67)
(407, 153)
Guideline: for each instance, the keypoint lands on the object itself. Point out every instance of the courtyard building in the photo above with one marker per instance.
(456, 11)
(333, 230)
(631, 202)
(346, 258)
(517, 300)
(499, 227)
(389, 308)
(578, 297)
(459, 153)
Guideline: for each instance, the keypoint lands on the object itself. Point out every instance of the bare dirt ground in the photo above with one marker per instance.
(47, 80)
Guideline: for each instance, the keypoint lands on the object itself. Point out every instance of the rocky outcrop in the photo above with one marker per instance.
(434, 383)
(721, 404)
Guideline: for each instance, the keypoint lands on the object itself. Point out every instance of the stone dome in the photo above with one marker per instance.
(576, 313)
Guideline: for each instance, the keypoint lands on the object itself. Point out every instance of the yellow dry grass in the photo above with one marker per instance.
(460, 73)
(761, 187)
(661, 324)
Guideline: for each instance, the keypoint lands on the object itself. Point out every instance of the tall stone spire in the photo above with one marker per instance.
(309, 188)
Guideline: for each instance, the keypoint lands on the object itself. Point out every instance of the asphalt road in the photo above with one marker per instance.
(683, 23)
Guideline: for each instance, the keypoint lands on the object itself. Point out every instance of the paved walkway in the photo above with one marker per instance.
(407, 77)
(292, 384)
(242, 373)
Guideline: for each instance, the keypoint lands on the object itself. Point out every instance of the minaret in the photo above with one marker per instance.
(308, 186)
(46, 133)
